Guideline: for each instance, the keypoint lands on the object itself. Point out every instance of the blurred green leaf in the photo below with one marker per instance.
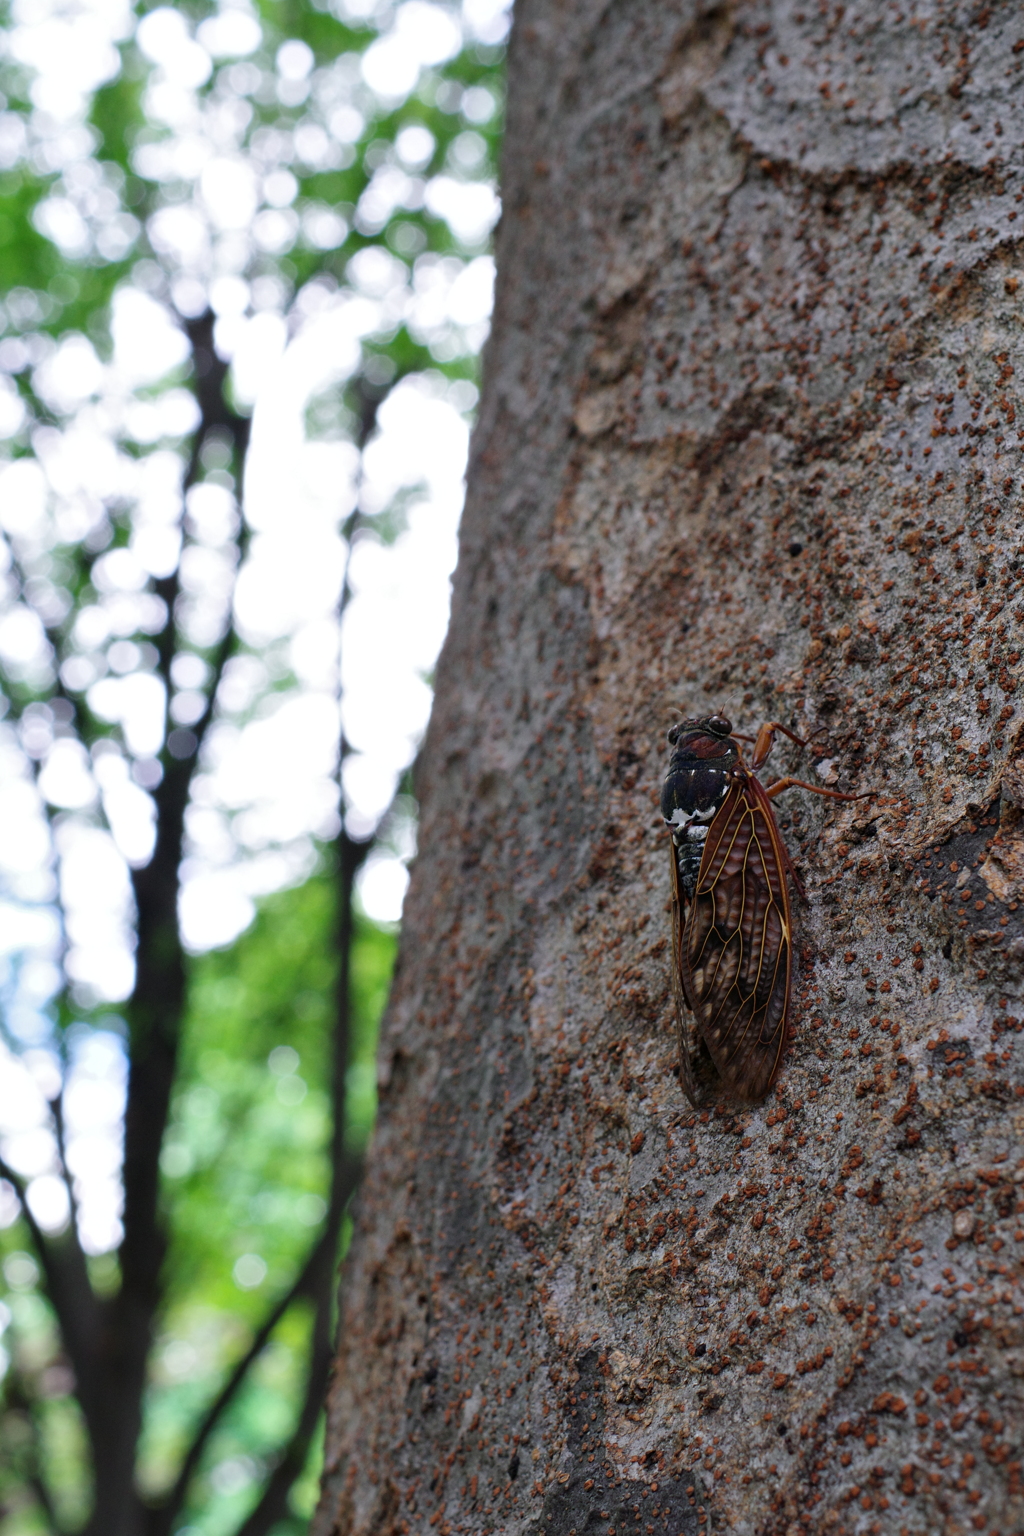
(245, 1157)
(245, 1162)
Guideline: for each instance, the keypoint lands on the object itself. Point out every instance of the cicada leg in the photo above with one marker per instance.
(766, 739)
(826, 794)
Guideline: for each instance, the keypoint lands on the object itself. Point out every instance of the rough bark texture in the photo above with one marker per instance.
(747, 441)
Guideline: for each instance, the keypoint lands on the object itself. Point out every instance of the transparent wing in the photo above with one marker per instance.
(736, 944)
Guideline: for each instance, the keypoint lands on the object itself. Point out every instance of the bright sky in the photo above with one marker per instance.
(265, 790)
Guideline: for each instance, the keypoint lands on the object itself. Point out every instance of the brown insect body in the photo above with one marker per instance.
(732, 919)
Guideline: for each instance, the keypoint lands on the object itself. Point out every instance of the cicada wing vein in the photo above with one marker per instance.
(737, 943)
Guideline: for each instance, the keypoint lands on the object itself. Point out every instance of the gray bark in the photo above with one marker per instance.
(747, 442)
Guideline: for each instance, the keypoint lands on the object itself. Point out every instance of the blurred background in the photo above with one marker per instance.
(244, 284)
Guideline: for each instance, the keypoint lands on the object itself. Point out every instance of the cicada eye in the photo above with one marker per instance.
(673, 735)
(721, 724)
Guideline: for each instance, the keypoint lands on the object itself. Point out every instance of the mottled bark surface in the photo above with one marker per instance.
(748, 441)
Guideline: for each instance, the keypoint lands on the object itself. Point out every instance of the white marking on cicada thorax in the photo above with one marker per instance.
(692, 826)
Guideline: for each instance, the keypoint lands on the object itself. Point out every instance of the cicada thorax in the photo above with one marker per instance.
(697, 782)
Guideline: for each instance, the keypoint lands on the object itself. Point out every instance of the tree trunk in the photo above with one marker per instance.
(747, 443)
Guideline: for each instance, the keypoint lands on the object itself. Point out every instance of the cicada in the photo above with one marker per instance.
(732, 928)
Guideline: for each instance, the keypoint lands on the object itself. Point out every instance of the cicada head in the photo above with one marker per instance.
(715, 726)
(702, 761)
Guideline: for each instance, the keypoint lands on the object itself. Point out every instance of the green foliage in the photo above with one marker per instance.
(246, 1173)
(245, 1159)
(26, 258)
(246, 1146)
(246, 1176)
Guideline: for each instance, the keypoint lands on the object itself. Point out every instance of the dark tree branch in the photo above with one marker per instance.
(225, 650)
(273, 1503)
(158, 1001)
(155, 1012)
(65, 1272)
(350, 854)
(210, 376)
(67, 1287)
(108, 1342)
(305, 1284)
(18, 1398)
(17, 1183)
(57, 1110)
(57, 637)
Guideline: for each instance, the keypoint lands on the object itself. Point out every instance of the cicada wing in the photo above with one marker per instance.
(737, 944)
(697, 1072)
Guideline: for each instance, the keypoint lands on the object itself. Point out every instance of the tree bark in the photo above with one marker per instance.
(747, 442)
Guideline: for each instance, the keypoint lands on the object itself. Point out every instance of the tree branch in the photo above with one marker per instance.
(303, 1285)
(17, 1397)
(155, 1013)
(273, 1503)
(225, 650)
(350, 855)
(57, 1110)
(66, 1283)
(18, 1185)
(157, 1004)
